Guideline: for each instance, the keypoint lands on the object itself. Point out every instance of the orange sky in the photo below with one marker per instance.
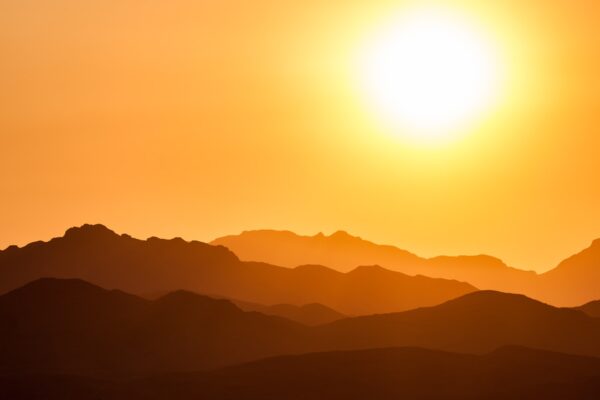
(204, 118)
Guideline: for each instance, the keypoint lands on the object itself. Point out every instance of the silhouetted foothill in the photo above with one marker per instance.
(69, 326)
(592, 308)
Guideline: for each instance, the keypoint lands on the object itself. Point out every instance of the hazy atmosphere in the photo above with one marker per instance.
(299, 199)
(200, 119)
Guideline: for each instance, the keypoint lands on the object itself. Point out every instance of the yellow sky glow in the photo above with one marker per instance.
(430, 73)
(200, 119)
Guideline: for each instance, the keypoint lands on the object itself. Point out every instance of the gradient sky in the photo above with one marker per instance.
(204, 118)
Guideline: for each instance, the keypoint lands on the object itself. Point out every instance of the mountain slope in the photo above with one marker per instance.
(483, 271)
(575, 280)
(592, 308)
(308, 314)
(98, 255)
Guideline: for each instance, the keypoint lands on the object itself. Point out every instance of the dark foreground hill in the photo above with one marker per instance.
(73, 327)
(394, 373)
(100, 256)
(592, 308)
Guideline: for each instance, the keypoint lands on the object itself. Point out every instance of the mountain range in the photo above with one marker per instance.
(573, 282)
(98, 255)
(57, 326)
(344, 273)
(94, 314)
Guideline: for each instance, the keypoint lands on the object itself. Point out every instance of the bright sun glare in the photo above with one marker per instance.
(431, 73)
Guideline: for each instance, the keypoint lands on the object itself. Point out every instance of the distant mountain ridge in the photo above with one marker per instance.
(98, 255)
(345, 252)
(339, 250)
(574, 281)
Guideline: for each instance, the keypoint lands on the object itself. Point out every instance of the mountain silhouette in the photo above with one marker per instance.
(574, 281)
(54, 326)
(592, 308)
(340, 250)
(309, 314)
(345, 252)
(391, 373)
(71, 326)
(483, 271)
(475, 323)
(98, 255)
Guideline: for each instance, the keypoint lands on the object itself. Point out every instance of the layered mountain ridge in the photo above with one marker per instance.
(58, 326)
(96, 254)
(571, 283)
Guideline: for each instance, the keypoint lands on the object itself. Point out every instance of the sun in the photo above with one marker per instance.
(430, 73)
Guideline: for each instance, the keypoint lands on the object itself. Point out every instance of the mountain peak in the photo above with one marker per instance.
(59, 284)
(89, 230)
(68, 292)
(491, 299)
(342, 235)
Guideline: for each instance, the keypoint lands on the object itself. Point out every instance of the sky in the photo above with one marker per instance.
(204, 118)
